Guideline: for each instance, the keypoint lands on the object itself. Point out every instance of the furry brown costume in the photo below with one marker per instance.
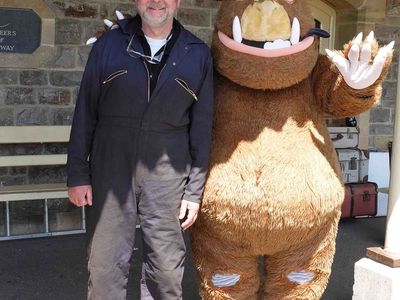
(275, 187)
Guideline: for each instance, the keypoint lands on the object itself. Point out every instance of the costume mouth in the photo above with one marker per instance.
(266, 30)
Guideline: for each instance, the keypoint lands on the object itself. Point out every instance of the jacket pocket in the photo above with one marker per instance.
(183, 84)
(115, 75)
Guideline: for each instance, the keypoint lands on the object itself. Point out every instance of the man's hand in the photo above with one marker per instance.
(80, 195)
(192, 210)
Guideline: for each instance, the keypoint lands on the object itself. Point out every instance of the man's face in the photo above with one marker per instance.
(156, 13)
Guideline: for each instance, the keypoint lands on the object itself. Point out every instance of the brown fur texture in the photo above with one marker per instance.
(275, 187)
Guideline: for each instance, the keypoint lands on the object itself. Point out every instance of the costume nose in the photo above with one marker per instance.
(265, 20)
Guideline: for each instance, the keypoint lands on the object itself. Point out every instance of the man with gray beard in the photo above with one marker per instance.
(139, 149)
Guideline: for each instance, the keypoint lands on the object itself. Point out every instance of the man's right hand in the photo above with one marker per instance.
(80, 195)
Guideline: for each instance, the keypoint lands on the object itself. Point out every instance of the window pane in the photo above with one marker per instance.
(27, 217)
(63, 215)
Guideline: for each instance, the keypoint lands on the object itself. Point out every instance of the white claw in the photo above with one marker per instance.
(120, 16)
(90, 41)
(237, 30)
(108, 23)
(389, 47)
(358, 38)
(295, 37)
(330, 53)
(370, 38)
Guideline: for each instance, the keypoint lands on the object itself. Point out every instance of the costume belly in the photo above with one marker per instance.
(271, 179)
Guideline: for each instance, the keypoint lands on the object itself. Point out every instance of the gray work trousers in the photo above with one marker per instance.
(111, 233)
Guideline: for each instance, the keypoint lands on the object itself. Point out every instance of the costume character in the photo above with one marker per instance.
(275, 187)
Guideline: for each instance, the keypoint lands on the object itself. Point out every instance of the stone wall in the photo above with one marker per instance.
(382, 115)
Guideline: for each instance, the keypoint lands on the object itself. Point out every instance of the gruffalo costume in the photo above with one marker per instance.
(275, 188)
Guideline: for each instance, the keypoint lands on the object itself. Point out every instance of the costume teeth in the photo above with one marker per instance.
(295, 37)
(237, 30)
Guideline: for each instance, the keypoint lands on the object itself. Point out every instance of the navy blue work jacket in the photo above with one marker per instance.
(161, 136)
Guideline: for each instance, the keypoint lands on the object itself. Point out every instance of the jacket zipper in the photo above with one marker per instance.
(159, 74)
(114, 75)
(183, 84)
(148, 82)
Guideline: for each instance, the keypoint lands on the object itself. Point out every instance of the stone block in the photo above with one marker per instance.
(75, 95)
(13, 180)
(381, 129)
(6, 116)
(201, 3)
(125, 8)
(32, 116)
(387, 33)
(389, 94)
(381, 142)
(18, 171)
(91, 27)
(56, 148)
(393, 70)
(21, 149)
(380, 115)
(8, 77)
(63, 58)
(65, 78)
(375, 281)
(82, 10)
(83, 54)
(19, 95)
(30, 77)
(46, 174)
(195, 17)
(63, 116)
(68, 31)
(204, 34)
(4, 171)
(54, 96)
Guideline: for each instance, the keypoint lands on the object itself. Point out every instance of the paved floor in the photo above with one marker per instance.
(54, 268)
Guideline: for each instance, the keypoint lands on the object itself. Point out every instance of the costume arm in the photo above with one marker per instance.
(84, 122)
(200, 136)
(339, 99)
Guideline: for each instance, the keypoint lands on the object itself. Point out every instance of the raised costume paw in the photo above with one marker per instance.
(364, 61)
(109, 26)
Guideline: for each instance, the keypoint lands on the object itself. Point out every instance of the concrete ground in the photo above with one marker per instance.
(55, 268)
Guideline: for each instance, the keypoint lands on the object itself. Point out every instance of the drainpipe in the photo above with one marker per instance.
(392, 240)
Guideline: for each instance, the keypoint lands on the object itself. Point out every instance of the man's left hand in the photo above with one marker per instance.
(192, 210)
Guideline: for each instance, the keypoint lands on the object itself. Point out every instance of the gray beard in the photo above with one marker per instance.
(155, 22)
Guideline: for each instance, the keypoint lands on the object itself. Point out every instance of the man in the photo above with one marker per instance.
(139, 149)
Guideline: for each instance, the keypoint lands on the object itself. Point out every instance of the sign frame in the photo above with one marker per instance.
(46, 49)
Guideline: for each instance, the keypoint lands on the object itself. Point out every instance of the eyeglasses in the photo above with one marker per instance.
(156, 59)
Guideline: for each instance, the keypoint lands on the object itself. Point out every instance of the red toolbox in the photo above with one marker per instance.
(360, 200)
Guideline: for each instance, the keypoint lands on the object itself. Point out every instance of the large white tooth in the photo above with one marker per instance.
(237, 30)
(295, 37)
(278, 44)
